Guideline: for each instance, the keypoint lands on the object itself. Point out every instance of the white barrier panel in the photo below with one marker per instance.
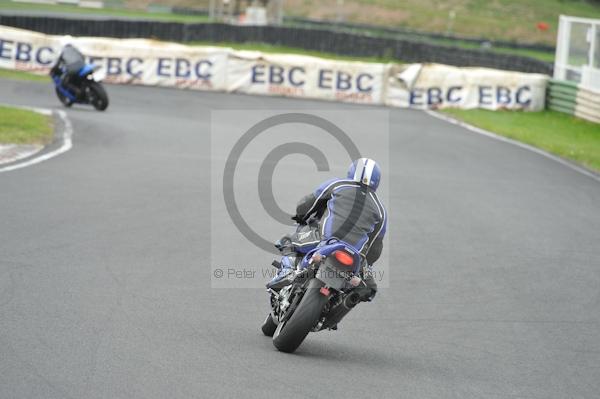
(442, 86)
(149, 62)
(303, 76)
(130, 61)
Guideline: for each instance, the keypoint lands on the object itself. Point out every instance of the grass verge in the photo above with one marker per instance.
(21, 75)
(108, 11)
(20, 126)
(560, 134)
(497, 19)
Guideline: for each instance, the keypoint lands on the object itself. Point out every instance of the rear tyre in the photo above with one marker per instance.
(63, 99)
(99, 98)
(268, 327)
(289, 334)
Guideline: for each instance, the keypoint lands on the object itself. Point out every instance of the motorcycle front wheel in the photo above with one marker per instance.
(99, 98)
(289, 334)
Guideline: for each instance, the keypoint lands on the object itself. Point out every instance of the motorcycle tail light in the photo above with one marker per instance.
(344, 258)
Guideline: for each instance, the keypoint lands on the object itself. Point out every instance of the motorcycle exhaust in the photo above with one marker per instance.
(351, 300)
(339, 311)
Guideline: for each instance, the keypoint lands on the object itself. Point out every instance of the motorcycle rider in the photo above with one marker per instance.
(346, 209)
(68, 64)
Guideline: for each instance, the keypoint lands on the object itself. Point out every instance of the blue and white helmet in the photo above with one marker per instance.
(365, 171)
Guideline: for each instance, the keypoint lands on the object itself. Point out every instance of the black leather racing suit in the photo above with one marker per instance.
(349, 211)
(71, 60)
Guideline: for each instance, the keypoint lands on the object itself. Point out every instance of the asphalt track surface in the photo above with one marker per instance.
(105, 284)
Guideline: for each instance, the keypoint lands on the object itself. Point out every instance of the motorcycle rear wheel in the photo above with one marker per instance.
(289, 334)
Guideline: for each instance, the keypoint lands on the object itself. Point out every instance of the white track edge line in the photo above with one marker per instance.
(531, 148)
(67, 144)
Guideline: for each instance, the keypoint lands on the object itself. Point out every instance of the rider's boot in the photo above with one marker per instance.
(286, 269)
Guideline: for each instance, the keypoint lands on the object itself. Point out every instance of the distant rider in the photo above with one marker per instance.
(346, 209)
(68, 64)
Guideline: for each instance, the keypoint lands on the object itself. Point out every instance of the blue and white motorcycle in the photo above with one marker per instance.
(82, 88)
(316, 295)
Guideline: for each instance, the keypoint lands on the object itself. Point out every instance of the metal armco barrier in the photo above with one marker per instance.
(342, 43)
(570, 98)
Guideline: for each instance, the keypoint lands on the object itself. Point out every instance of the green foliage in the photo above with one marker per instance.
(10, 74)
(19, 126)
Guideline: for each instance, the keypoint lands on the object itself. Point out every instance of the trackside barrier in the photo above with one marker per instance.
(150, 62)
(572, 99)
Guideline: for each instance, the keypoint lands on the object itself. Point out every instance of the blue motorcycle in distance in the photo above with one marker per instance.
(81, 88)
